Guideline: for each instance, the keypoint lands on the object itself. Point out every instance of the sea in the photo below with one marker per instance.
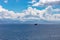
(29, 32)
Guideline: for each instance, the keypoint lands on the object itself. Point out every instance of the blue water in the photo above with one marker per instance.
(29, 32)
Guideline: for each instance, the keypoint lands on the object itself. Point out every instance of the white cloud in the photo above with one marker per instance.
(48, 14)
(4, 13)
(44, 1)
(51, 14)
(5, 1)
(47, 2)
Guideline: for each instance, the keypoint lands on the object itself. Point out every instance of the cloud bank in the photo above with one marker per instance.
(31, 14)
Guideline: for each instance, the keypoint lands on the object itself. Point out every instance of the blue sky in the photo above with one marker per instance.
(44, 11)
(15, 5)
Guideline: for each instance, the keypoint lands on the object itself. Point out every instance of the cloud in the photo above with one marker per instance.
(4, 13)
(51, 14)
(47, 2)
(6, 1)
(48, 14)
(31, 14)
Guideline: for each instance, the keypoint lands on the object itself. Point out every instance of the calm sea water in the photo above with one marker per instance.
(29, 32)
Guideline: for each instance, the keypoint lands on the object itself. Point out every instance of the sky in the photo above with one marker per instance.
(15, 5)
(30, 10)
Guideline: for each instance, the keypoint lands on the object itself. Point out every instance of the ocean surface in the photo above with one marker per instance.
(29, 32)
